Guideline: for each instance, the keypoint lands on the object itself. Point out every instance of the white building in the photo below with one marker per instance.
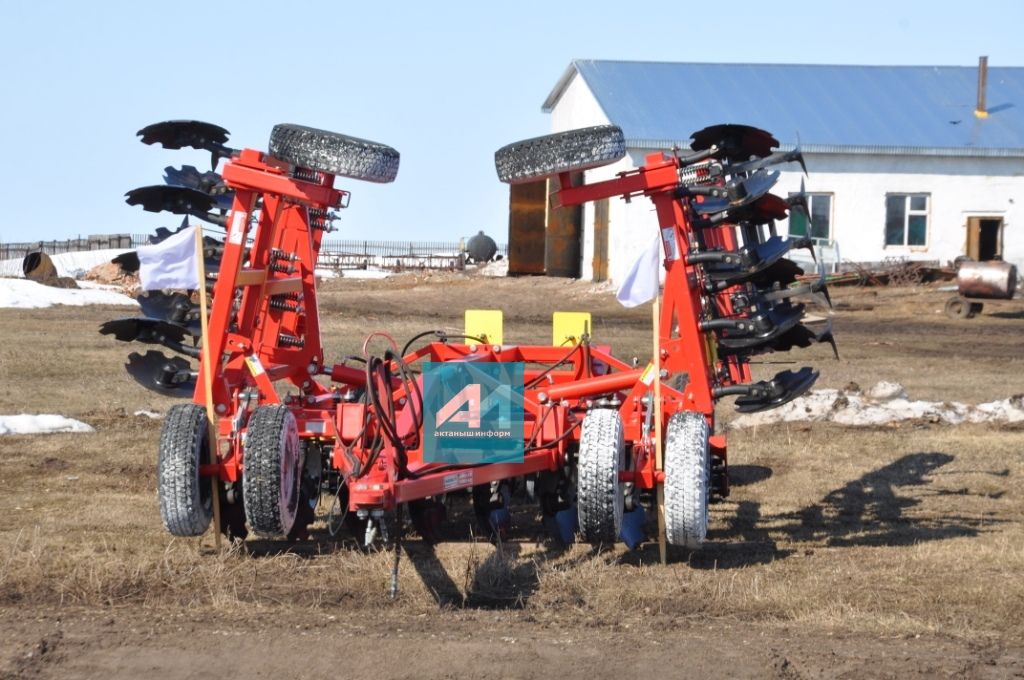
(901, 163)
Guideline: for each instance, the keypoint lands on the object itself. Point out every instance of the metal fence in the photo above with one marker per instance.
(72, 245)
(334, 253)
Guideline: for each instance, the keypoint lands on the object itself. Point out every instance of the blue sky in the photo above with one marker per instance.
(444, 83)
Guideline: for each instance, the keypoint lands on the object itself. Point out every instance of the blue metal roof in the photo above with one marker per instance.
(842, 109)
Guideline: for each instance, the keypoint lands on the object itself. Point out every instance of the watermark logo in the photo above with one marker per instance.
(473, 412)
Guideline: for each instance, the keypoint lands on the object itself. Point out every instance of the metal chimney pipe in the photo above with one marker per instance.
(980, 111)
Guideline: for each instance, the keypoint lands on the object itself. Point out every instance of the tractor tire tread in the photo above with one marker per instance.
(186, 510)
(599, 493)
(573, 150)
(261, 480)
(334, 153)
(687, 479)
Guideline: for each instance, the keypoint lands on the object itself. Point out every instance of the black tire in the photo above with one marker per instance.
(687, 479)
(334, 153)
(271, 483)
(958, 308)
(186, 501)
(975, 309)
(599, 495)
(574, 150)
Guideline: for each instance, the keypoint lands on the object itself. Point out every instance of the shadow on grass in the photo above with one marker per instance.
(868, 511)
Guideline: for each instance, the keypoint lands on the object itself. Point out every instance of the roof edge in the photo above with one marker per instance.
(957, 152)
(560, 86)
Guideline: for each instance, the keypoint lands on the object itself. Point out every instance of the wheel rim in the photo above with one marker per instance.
(290, 478)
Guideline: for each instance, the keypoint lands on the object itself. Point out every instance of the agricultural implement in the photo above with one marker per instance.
(291, 427)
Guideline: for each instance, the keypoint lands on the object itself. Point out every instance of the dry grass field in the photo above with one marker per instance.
(869, 552)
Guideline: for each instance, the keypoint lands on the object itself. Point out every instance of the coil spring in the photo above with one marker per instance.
(285, 305)
(321, 219)
(308, 175)
(285, 340)
(278, 254)
(698, 173)
(283, 267)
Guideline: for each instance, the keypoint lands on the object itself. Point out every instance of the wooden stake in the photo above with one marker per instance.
(207, 373)
(658, 458)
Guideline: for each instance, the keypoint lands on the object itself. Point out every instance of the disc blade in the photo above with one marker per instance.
(737, 142)
(177, 134)
(169, 376)
(176, 308)
(781, 389)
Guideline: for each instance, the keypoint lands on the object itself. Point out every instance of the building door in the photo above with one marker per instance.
(985, 238)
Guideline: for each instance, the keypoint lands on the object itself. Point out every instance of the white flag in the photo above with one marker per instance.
(172, 263)
(642, 282)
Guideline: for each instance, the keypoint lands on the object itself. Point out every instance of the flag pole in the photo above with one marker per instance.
(205, 370)
(658, 458)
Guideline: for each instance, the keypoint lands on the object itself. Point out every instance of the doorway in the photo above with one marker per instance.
(985, 238)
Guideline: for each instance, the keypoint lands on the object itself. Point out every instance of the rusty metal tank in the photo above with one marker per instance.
(995, 280)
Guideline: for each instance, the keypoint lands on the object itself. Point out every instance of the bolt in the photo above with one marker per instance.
(221, 408)
(311, 369)
(310, 400)
(542, 397)
(305, 384)
(496, 348)
(663, 373)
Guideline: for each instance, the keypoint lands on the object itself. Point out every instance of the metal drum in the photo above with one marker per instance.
(995, 280)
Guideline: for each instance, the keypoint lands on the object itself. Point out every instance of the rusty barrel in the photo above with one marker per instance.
(994, 280)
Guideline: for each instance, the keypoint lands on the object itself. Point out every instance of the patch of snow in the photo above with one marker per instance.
(96, 285)
(887, 391)
(883, 404)
(40, 424)
(365, 273)
(24, 294)
(149, 414)
(325, 273)
(497, 268)
(74, 264)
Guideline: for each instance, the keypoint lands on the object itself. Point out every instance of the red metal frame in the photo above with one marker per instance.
(264, 328)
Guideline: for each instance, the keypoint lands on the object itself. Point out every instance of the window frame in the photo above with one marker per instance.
(818, 240)
(908, 212)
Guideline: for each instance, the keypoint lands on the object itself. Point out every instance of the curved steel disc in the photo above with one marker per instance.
(175, 307)
(150, 331)
(177, 134)
(783, 388)
(737, 142)
(170, 376)
(177, 200)
(207, 182)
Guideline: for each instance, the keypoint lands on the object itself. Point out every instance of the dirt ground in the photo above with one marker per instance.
(870, 552)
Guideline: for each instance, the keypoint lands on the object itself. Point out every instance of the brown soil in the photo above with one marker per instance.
(884, 552)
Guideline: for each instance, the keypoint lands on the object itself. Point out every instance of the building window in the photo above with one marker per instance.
(820, 208)
(906, 219)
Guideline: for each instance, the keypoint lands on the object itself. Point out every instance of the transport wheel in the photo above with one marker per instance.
(271, 484)
(600, 498)
(186, 504)
(687, 479)
(975, 309)
(958, 308)
(540, 157)
(334, 153)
